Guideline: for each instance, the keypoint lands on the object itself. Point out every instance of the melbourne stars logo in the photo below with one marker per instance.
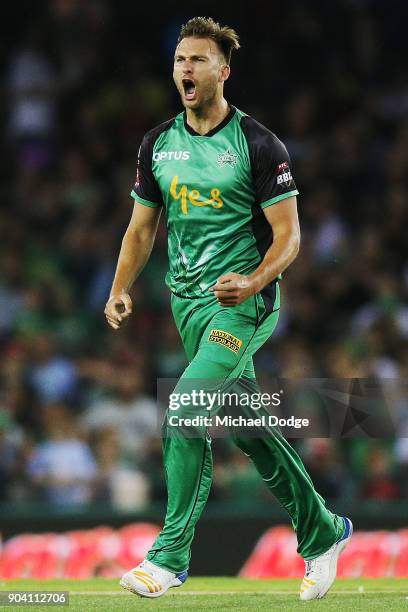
(229, 158)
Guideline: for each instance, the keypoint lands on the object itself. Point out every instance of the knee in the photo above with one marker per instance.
(247, 445)
(214, 366)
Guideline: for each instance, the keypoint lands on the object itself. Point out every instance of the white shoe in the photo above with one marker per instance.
(149, 580)
(321, 572)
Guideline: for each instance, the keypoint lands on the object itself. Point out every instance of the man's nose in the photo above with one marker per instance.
(187, 68)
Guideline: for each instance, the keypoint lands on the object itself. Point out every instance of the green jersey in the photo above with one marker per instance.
(213, 189)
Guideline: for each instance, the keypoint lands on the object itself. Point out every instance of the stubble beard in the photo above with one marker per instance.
(208, 97)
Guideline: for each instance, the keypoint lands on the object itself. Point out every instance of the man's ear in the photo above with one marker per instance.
(225, 72)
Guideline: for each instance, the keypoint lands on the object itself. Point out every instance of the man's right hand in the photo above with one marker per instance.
(117, 310)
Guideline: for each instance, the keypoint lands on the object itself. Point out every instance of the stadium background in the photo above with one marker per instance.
(81, 83)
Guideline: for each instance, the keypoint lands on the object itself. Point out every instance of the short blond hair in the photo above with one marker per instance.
(205, 27)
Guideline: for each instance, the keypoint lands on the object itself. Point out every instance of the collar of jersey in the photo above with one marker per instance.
(217, 128)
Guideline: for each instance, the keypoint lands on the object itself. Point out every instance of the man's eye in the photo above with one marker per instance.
(178, 60)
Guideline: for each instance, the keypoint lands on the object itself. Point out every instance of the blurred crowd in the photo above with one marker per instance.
(82, 83)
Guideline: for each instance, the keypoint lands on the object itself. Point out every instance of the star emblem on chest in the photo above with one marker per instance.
(228, 158)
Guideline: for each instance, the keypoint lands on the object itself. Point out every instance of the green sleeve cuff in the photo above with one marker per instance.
(278, 198)
(143, 201)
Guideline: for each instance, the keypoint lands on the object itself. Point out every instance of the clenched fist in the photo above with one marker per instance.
(117, 310)
(232, 289)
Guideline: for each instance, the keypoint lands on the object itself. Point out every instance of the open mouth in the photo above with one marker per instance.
(189, 89)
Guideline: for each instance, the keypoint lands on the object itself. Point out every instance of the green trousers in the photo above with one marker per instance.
(220, 343)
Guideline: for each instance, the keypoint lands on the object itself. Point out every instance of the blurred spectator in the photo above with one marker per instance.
(379, 481)
(52, 376)
(62, 467)
(32, 87)
(324, 464)
(10, 442)
(124, 487)
(129, 411)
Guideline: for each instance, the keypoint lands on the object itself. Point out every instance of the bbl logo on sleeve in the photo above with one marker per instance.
(229, 158)
(284, 174)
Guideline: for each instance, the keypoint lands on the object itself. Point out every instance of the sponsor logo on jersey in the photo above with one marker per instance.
(284, 174)
(228, 340)
(228, 158)
(286, 178)
(192, 196)
(169, 155)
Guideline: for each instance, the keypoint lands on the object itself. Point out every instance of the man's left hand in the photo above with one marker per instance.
(232, 289)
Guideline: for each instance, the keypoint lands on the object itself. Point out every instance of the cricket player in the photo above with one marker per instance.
(225, 184)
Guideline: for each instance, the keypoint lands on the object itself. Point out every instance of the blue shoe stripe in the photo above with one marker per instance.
(348, 528)
(182, 576)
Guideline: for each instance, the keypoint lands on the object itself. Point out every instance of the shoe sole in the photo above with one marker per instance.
(333, 562)
(128, 587)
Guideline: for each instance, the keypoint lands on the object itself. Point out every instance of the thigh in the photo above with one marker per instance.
(224, 355)
(191, 317)
(230, 339)
(224, 339)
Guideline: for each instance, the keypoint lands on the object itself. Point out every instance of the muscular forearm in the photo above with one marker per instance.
(278, 257)
(136, 247)
(134, 253)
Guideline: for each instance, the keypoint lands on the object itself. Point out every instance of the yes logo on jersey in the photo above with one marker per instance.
(193, 196)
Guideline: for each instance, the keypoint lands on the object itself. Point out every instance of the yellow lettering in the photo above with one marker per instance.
(194, 196)
(181, 194)
(215, 194)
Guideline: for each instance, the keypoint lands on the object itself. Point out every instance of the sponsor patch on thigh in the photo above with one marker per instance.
(226, 339)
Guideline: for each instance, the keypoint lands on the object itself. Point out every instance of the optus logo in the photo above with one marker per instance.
(169, 155)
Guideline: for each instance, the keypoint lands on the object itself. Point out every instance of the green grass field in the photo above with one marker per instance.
(100, 594)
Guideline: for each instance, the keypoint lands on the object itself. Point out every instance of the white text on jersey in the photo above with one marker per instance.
(168, 155)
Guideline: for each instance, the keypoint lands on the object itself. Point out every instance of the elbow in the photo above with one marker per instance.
(136, 236)
(295, 244)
